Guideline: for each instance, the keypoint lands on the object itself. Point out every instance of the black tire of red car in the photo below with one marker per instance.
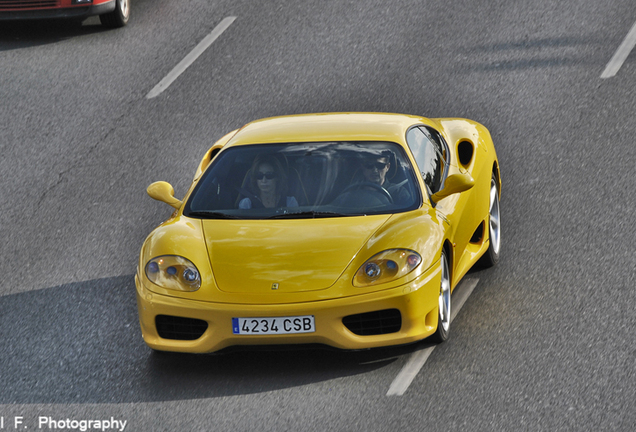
(491, 256)
(444, 303)
(119, 17)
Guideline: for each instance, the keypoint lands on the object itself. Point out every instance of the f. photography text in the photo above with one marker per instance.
(53, 423)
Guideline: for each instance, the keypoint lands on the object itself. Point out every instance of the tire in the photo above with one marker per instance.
(119, 17)
(444, 303)
(491, 256)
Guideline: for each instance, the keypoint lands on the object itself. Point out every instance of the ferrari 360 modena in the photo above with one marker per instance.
(349, 230)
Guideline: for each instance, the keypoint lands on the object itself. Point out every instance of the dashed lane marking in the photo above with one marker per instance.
(621, 54)
(190, 58)
(417, 359)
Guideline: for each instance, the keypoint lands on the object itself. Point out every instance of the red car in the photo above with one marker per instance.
(112, 13)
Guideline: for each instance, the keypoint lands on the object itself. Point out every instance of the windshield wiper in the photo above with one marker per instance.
(311, 214)
(211, 215)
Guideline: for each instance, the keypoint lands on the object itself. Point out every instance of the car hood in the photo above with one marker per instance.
(299, 255)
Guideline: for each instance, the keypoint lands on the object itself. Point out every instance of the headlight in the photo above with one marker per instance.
(173, 272)
(387, 266)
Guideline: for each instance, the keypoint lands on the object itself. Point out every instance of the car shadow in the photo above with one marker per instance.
(81, 342)
(29, 33)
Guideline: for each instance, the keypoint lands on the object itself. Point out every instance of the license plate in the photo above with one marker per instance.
(274, 325)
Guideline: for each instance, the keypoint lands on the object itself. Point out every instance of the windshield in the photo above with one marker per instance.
(306, 180)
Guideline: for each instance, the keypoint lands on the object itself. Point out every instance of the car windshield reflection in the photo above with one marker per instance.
(306, 180)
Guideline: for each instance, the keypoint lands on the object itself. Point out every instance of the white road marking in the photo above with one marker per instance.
(382, 360)
(461, 294)
(621, 54)
(408, 373)
(417, 359)
(191, 57)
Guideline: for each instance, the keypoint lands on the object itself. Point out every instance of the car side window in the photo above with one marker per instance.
(429, 151)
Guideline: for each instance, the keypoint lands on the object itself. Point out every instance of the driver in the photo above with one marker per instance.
(375, 168)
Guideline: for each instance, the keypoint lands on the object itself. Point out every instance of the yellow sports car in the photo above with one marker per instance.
(343, 229)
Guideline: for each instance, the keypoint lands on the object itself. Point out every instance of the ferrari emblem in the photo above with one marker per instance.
(274, 286)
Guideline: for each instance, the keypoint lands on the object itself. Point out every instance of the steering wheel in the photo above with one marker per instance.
(376, 187)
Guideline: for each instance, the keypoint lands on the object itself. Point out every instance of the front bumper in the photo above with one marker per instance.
(77, 12)
(417, 303)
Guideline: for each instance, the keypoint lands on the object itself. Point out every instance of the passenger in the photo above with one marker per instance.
(375, 169)
(267, 186)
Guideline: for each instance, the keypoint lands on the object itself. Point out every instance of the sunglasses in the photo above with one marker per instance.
(379, 165)
(267, 175)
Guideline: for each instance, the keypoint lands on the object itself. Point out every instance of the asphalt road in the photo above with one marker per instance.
(544, 343)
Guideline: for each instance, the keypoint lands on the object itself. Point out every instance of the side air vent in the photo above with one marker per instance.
(465, 151)
(478, 234)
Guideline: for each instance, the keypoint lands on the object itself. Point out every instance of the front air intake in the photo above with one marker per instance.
(27, 4)
(374, 323)
(180, 328)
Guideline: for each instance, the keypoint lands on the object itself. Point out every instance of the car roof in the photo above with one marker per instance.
(326, 127)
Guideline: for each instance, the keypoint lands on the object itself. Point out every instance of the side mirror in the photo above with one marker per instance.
(164, 192)
(455, 183)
